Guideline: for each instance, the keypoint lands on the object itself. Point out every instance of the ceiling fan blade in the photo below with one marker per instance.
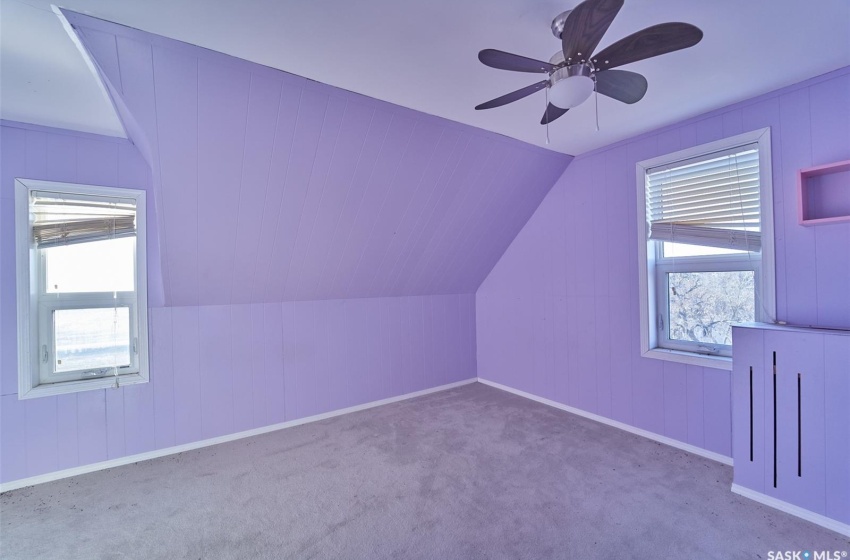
(552, 113)
(586, 25)
(512, 96)
(507, 61)
(649, 42)
(622, 85)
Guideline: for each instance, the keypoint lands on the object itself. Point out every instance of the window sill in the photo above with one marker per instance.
(52, 389)
(690, 358)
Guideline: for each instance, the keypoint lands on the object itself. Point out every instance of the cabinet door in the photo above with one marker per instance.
(837, 441)
(748, 373)
(795, 450)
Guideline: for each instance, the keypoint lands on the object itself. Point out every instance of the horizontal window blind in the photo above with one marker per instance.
(64, 220)
(712, 200)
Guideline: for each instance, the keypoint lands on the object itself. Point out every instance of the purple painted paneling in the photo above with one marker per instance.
(242, 368)
(696, 407)
(217, 370)
(345, 197)
(66, 418)
(748, 398)
(271, 337)
(354, 132)
(593, 206)
(115, 440)
(13, 440)
(8, 302)
(316, 185)
(161, 338)
(262, 374)
(187, 375)
(676, 401)
(97, 162)
(717, 392)
(264, 102)
(222, 369)
(415, 363)
(175, 94)
(91, 427)
(139, 419)
(837, 453)
(799, 242)
(648, 394)
(222, 117)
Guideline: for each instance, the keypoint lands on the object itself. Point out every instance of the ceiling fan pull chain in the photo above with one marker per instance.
(596, 101)
(546, 112)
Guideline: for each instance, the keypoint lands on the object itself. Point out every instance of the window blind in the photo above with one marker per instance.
(711, 200)
(65, 220)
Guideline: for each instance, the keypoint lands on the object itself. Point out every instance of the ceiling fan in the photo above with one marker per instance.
(574, 73)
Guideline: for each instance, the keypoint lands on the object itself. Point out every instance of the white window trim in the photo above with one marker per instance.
(27, 292)
(766, 312)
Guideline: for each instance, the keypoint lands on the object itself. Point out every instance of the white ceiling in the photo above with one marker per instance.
(422, 55)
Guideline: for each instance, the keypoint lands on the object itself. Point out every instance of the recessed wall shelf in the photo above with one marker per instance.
(823, 194)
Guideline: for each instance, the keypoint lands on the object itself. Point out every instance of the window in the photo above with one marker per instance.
(82, 305)
(705, 235)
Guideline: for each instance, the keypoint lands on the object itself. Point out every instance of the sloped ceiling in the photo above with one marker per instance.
(272, 187)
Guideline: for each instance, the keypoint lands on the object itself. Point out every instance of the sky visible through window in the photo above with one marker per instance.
(97, 337)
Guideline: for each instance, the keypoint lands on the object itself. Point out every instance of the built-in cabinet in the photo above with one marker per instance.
(791, 416)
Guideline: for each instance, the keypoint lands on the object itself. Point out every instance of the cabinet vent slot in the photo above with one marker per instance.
(751, 414)
(774, 420)
(799, 425)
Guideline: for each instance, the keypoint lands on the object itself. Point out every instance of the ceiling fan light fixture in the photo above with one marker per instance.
(571, 86)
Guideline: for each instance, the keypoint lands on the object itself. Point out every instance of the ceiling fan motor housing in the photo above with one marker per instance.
(570, 85)
(559, 22)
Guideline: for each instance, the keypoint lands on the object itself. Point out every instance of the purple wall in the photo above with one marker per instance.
(558, 315)
(261, 363)
(272, 187)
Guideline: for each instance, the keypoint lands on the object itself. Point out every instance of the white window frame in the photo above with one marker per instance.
(652, 268)
(35, 306)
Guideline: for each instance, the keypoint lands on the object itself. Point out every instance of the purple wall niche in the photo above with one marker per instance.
(277, 188)
(558, 315)
(260, 363)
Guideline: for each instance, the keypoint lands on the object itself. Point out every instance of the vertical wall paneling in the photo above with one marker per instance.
(66, 436)
(837, 453)
(217, 370)
(271, 336)
(265, 98)
(222, 121)
(115, 438)
(187, 375)
(796, 152)
(91, 427)
(242, 368)
(176, 101)
(162, 378)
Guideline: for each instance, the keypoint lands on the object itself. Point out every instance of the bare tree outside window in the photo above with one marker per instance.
(703, 305)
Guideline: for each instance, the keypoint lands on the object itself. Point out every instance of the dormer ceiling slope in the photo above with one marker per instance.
(272, 187)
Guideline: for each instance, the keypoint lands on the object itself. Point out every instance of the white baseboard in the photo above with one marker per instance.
(796, 511)
(625, 427)
(57, 475)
